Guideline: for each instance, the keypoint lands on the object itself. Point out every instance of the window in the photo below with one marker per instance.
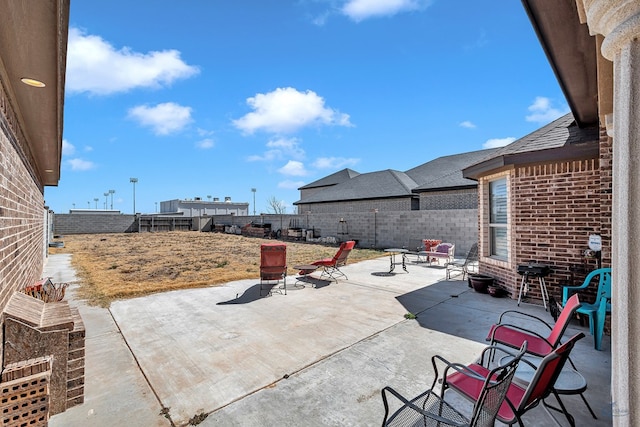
(498, 219)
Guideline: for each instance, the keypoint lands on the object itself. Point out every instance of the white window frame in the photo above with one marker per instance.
(502, 224)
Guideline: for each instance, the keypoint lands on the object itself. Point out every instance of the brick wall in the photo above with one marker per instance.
(22, 213)
(553, 209)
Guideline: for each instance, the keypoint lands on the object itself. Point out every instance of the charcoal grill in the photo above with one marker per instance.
(534, 269)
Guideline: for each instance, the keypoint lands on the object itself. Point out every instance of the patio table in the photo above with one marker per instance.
(392, 258)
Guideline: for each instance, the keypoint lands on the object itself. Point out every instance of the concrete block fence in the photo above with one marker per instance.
(376, 230)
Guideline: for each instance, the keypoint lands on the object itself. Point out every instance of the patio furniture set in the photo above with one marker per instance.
(273, 265)
(506, 390)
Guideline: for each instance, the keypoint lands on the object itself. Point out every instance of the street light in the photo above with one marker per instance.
(253, 190)
(106, 195)
(133, 181)
(111, 192)
(96, 200)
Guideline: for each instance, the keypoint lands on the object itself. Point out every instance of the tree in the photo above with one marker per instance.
(275, 206)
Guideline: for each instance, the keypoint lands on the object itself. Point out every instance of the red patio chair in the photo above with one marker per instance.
(273, 264)
(331, 266)
(430, 409)
(513, 335)
(521, 396)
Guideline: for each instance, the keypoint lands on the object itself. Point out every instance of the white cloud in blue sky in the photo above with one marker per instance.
(98, 68)
(67, 148)
(359, 10)
(467, 124)
(335, 162)
(287, 110)
(543, 112)
(205, 144)
(498, 142)
(80, 164)
(163, 119)
(293, 168)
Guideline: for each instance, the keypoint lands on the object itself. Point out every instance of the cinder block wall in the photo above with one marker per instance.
(371, 229)
(557, 207)
(93, 223)
(22, 211)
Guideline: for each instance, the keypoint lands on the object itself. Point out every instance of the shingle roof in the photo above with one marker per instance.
(560, 139)
(373, 185)
(333, 179)
(446, 172)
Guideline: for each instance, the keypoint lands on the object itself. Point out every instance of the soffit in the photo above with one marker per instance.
(33, 43)
(571, 52)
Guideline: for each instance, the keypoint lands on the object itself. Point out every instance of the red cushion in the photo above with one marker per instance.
(471, 388)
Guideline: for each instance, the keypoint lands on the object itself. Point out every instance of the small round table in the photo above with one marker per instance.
(305, 270)
(392, 258)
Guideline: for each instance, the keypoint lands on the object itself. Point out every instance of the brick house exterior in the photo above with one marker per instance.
(31, 121)
(559, 193)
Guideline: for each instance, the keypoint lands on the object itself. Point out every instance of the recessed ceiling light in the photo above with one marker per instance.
(32, 82)
(48, 170)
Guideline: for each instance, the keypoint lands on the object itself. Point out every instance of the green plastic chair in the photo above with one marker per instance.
(596, 311)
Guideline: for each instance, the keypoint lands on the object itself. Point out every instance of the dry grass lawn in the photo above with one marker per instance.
(115, 266)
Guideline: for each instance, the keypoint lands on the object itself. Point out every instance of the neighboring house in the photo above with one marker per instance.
(437, 184)
(540, 198)
(33, 45)
(597, 44)
(198, 207)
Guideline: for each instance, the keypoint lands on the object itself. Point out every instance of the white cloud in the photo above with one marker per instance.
(467, 124)
(498, 142)
(164, 118)
(293, 168)
(543, 112)
(96, 67)
(286, 110)
(334, 162)
(205, 144)
(290, 185)
(359, 10)
(67, 148)
(279, 149)
(80, 164)
(204, 132)
(88, 148)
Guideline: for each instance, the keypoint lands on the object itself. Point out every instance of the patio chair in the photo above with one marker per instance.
(430, 409)
(445, 251)
(331, 266)
(513, 335)
(273, 265)
(592, 310)
(521, 396)
(472, 258)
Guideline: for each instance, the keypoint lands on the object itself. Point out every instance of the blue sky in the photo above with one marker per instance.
(214, 98)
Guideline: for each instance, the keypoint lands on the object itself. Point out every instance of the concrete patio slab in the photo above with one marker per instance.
(224, 356)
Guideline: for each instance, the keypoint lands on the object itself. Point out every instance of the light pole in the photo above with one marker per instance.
(253, 190)
(96, 200)
(133, 181)
(111, 192)
(106, 198)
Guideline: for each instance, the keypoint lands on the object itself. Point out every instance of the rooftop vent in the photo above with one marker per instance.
(227, 199)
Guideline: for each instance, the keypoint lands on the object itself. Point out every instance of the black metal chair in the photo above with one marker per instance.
(430, 408)
(472, 257)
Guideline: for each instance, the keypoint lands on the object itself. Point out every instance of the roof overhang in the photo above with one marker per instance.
(582, 151)
(33, 44)
(572, 53)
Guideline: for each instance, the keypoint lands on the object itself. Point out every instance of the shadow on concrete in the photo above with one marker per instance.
(253, 293)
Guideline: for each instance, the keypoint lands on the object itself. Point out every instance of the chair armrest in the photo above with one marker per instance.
(520, 313)
(463, 369)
